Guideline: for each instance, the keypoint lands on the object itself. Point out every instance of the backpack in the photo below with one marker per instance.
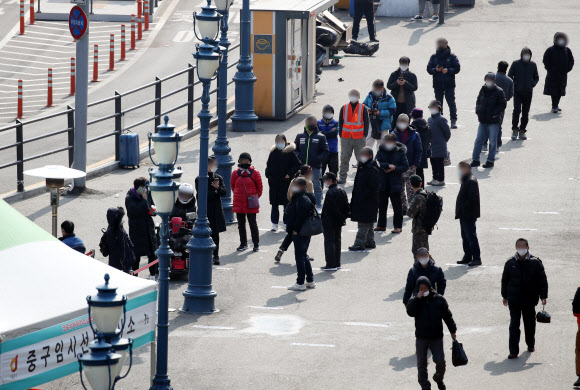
(433, 209)
(103, 245)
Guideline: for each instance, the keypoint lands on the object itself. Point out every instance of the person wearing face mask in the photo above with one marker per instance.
(353, 125)
(282, 165)
(381, 107)
(141, 225)
(403, 84)
(467, 211)
(424, 266)
(443, 66)
(215, 211)
(524, 73)
(440, 135)
(507, 86)
(364, 203)
(329, 127)
(523, 284)
(430, 310)
(412, 141)
(558, 61)
(185, 202)
(392, 160)
(246, 182)
(422, 127)
(301, 207)
(312, 149)
(335, 211)
(491, 102)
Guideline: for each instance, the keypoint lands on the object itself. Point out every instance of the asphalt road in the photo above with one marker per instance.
(352, 332)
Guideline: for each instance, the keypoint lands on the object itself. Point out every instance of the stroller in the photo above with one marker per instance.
(179, 236)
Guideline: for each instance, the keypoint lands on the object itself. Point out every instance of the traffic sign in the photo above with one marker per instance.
(77, 22)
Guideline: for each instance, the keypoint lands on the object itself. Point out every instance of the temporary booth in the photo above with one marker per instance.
(283, 53)
(44, 322)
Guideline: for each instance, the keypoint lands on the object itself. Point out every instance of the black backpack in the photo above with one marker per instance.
(433, 209)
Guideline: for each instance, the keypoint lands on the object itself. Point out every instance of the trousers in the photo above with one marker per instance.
(528, 313)
(420, 240)
(395, 198)
(578, 352)
(436, 347)
(438, 168)
(423, 4)
(151, 258)
(522, 104)
(215, 236)
(485, 131)
(331, 163)
(347, 147)
(469, 237)
(365, 234)
(366, 8)
(449, 94)
(253, 228)
(556, 100)
(407, 194)
(303, 266)
(421, 173)
(332, 244)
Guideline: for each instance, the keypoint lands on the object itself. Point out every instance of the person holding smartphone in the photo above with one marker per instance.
(403, 84)
(443, 66)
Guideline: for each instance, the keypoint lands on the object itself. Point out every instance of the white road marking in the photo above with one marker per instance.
(518, 229)
(371, 324)
(465, 265)
(314, 345)
(342, 269)
(365, 251)
(546, 212)
(280, 287)
(223, 268)
(214, 327)
(267, 307)
(184, 36)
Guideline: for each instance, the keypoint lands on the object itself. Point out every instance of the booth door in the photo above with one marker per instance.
(294, 53)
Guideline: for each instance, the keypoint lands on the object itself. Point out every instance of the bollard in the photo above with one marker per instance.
(73, 71)
(19, 114)
(133, 32)
(139, 8)
(96, 65)
(31, 12)
(49, 93)
(139, 28)
(112, 52)
(146, 15)
(21, 17)
(122, 43)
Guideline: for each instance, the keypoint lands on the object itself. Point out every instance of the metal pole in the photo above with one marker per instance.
(221, 148)
(54, 198)
(81, 101)
(161, 380)
(244, 119)
(199, 296)
(441, 11)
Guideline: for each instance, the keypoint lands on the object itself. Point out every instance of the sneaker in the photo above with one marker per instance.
(559, 109)
(555, 110)
(434, 18)
(326, 268)
(274, 227)
(438, 183)
(256, 248)
(474, 263)
(484, 148)
(531, 349)
(514, 135)
(310, 285)
(441, 386)
(356, 248)
(522, 136)
(319, 210)
(453, 124)
(297, 287)
(513, 356)
(380, 229)
(216, 261)
(417, 17)
(488, 164)
(396, 230)
(355, 165)
(464, 261)
(475, 163)
(371, 245)
(278, 256)
(431, 182)
(283, 226)
(310, 258)
(242, 247)
(577, 383)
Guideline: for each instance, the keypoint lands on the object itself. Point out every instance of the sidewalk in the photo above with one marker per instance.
(102, 10)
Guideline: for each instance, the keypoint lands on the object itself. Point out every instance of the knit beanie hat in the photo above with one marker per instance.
(417, 113)
(245, 155)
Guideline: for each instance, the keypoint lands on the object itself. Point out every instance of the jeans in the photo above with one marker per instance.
(436, 347)
(366, 8)
(556, 100)
(302, 262)
(365, 234)
(395, 197)
(499, 133)
(332, 244)
(528, 313)
(253, 228)
(438, 168)
(522, 103)
(316, 175)
(275, 214)
(331, 162)
(484, 131)
(347, 147)
(469, 238)
(286, 242)
(449, 93)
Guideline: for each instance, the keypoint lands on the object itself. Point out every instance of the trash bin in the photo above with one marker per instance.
(284, 54)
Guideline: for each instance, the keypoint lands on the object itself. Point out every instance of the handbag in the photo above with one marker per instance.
(458, 356)
(447, 160)
(312, 226)
(253, 200)
(543, 316)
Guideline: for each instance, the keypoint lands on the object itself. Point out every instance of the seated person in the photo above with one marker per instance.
(70, 239)
(185, 202)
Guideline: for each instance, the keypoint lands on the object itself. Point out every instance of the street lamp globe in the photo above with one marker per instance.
(166, 143)
(162, 191)
(99, 365)
(121, 346)
(106, 308)
(223, 5)
(209, 22)
(207, 60)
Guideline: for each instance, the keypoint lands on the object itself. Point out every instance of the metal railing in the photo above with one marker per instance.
(118, 115)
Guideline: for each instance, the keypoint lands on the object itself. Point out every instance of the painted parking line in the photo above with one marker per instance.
(342, 269)
(518, 229)
(546, 212)
(314, 345)
(266, 307)
(280, 287)
(363, 251)
(213, 327)
(369, 324)
(222, 268)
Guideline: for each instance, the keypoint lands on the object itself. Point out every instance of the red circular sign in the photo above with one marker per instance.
(77, 22)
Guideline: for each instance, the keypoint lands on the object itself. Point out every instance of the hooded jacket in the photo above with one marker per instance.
(300, 208)
(490, 104)
(386, 106)
(524, 74)
(558, 61)
(430, 312)
(118, 245)
(433, 272)
(391, 181)
(281, 163)
(311, 149)
(335, 209)
(364, 202)
(141, 225)
(506, 84)
(215, 211)
(440, 135)
(448, 60)
(420, 125)
(524, 282)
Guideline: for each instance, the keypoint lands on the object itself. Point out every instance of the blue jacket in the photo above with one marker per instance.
(74, 242)
(387, 107)
(447, 60)
(311, 149)
(440, 134)
(330, 131)
(413, 144)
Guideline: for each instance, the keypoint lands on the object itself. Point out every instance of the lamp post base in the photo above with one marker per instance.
(244, 121)
(200, 296)
(161, 384)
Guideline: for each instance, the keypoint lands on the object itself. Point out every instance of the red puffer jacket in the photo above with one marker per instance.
(253, 184)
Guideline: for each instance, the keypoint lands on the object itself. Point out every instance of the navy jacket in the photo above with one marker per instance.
(311, 149)
(433, 272)
(420, 125)
(440, 135)
(490, 104)
(506, 83)
(74, 242)
(447, 60)
(413, 144)
(558, 62)
(398, 157)
(330, 131)
(335, 209)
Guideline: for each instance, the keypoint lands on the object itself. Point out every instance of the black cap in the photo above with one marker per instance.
(245, 155)
(328, 108)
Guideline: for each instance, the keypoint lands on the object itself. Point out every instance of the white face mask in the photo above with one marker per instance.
(434, 111)
(423, 260)
(295, 190)
(326, 184)
(404, 68)
(183, 201)
(214, 168)
(390, 146)
(364, 159)
(426, 293)
(489, 84)
(522, 252)
(280, 145)
(561, 42)
(526, 57)
(353, 98)
(328, 115)
(402, 125)
(459, 174)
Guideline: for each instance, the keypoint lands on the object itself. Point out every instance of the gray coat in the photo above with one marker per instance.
(506, 83)
(440, 134)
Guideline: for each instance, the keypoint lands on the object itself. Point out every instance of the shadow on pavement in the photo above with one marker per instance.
(396, 296)
(454, 273)
(547, 116)
(507, 146)
(287, 299)
(400, 364)
(507, 366)
(283, 269)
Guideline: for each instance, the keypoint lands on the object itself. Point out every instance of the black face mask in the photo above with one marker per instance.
(244, 166)
(312, 127)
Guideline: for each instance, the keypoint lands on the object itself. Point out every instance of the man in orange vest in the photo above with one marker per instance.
(353, 126)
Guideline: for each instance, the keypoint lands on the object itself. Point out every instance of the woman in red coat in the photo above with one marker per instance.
(246, 185)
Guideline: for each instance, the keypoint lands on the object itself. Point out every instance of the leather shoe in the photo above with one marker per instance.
(474, 263)
(464, 261)
(380, 229)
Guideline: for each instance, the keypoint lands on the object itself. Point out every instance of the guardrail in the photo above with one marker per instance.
(118, 116)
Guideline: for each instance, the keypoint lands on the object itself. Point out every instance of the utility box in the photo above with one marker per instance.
(284, 53)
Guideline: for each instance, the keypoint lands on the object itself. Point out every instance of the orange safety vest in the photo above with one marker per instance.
(353, 123)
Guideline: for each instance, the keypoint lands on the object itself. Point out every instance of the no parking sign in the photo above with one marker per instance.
(77, 22)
